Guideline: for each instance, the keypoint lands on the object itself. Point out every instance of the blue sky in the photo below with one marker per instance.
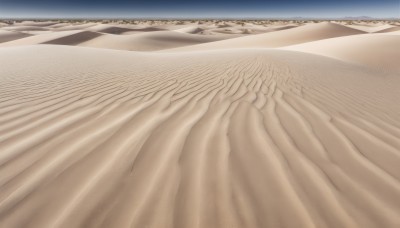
(199, 9)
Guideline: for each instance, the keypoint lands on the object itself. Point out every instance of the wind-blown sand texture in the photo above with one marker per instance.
(210, 124)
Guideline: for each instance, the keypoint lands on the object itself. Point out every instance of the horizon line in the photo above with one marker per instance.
(203, 18)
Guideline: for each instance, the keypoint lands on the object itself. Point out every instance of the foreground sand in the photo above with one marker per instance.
(290, 127)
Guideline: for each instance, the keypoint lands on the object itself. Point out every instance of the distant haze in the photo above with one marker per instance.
(198, 9)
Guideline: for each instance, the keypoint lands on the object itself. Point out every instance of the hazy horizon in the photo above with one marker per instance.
(195, 9)
(362, 17)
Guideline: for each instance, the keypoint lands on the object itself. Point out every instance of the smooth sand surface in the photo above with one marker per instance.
(294, 128)
(375, 50)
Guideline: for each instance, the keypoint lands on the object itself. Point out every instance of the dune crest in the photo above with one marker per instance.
(301, 34)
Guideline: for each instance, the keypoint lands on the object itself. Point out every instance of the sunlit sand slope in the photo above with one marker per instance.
(374, 50)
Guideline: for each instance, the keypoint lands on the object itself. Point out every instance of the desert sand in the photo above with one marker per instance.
(200, 124)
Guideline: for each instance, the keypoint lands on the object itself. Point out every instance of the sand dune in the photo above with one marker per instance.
(375, 50)
(112, 29)
(9, 36)
(238, 29)
(24, 28)
(151, 41)
(42, 38)
(391, 29)
(306, 135)
(146, 41)
(74, 39)
(35, 23)
(119, 30)
(191, 30)
(371, 28)
(170, 26)
(306, 33)
(70, 27)
(142, 38)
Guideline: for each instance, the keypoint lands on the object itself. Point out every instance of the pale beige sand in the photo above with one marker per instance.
(301, 34)
(24, 28)
(36, 23)
(372, 28)
(236, 138)
(75, 27)
(375, 50)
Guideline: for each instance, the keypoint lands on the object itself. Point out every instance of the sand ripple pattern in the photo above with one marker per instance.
(240, 138)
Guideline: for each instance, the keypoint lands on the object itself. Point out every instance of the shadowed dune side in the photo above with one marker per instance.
(391, 29)
(6, 36)
(301, 34)
(69, 27)
(74, 39)
(146, 41)
(119, 30)
(122, 29)
(151, 41)
(232, 138)
(38, 39)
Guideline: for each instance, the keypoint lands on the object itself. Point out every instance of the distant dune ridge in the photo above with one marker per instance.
(211, 124)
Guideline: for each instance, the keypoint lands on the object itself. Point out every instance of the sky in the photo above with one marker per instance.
(198, 8)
